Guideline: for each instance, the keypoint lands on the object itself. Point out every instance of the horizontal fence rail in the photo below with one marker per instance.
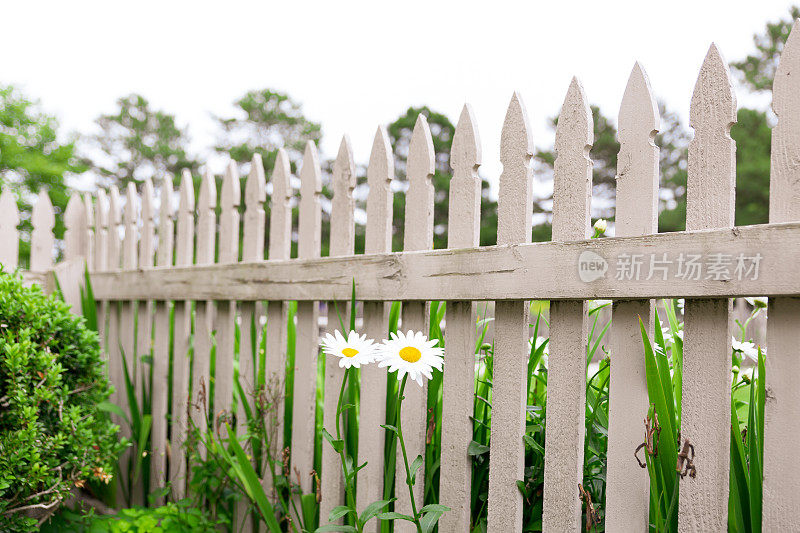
(179, 272)
(504, 272)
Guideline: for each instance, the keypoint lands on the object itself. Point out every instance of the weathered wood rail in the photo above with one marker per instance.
(165, 263)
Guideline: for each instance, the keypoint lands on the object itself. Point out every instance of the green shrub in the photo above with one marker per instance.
(54, 436)
(171, 518)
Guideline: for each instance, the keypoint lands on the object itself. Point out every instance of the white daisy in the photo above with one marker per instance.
(747, 348)
(411, 353)
(352, 352)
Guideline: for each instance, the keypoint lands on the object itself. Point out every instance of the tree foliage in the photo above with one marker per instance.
(757, 70)
(138, 142)
(32, 158)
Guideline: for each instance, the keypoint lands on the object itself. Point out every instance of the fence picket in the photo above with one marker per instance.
(627, 495)
(280, 242)
(161, 348)
(782, 409)
(706, 411)
(184, 252)
(255, 194)
(566, 376)
(226, 310)
(463, 223)
(204, 310)
(113, 256)
(9, 235)
(144, 320)
(418, 235)
(510, 365)
(305, 364)
(342, 243)
(43, 219)
(100, 262)
(88, 207)
(75, 233)
(130, 261)
(378, 238)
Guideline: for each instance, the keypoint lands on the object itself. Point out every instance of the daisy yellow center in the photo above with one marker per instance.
(410, 354)
(349, 352)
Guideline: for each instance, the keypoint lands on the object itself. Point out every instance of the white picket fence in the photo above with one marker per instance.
(136, 274)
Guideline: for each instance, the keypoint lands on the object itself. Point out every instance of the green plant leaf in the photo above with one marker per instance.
(372, 510)
(395, 516)
(338, 444)
(414, 467)
(339, 511)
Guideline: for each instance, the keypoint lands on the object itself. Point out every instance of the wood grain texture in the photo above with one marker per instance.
(627, 493)
(782, 409)
(204, 309)
(342, 243)
(706, 411)
(307, 345)
(418, 235)
(184, 255)
(463, 231)
(500, 272)
(509, 391)
(9, 236)
(161, 347)
(280, 231)
(566, 375)
(372, 414)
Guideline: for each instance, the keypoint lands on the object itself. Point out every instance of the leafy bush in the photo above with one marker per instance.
(171, 518)
(54, 435)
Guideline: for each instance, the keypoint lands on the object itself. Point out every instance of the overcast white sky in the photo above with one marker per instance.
(355, 65)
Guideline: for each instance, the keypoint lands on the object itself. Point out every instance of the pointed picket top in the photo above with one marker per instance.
(638, 113)
(101, 231)
(43, 216)
(637, 163)
(515, 199)
(784, 196)
(464, 215)
(309, 226)
(255, 189)
(572, 172)
(88, 213)
(380, 172)
(280, 218)
(255, 194)
(43, 219)
(711, 180)
(713, 97)
(231, 189)
(147, 236)
(9, 235)
(130, 248)
(166, 228)
(342, 204)
(185, 221)
(114, 220)
(418, 233)
(229, 218)
(75, 224)
(206, 219)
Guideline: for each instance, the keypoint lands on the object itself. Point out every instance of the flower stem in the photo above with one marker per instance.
(398, 424)
(349, 492)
